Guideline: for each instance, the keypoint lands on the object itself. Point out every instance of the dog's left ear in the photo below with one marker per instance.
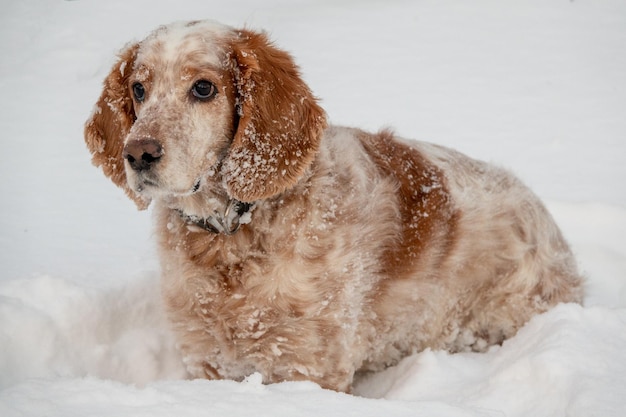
(280, 123)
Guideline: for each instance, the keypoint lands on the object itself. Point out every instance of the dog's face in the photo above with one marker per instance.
(200, 107)
(183, 100)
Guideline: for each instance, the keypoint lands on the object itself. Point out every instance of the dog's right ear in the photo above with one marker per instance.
(110, 122)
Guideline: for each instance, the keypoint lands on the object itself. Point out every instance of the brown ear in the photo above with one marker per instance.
(110, 122)
(280, 123)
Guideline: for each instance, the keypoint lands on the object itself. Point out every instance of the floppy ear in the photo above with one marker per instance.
(110, 122)
(280, 123)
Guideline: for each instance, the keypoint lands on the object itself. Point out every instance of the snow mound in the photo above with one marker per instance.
(53, 328)
(565, 360)
(67, 349)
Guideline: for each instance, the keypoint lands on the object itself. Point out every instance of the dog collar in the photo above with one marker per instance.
(227, 223)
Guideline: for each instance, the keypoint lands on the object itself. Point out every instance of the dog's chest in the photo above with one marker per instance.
(244, 304)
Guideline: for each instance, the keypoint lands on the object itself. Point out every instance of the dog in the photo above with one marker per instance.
(303, 250)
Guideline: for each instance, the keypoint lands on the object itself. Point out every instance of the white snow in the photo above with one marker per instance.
(538, 86)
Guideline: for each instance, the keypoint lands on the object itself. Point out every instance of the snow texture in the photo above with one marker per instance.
(538, 86)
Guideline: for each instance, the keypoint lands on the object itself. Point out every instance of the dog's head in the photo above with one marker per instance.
(198, 106)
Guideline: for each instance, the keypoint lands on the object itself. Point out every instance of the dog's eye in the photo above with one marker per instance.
(204, 90)
(139, 91)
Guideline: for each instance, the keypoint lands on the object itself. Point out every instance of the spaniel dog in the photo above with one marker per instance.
(302, 250)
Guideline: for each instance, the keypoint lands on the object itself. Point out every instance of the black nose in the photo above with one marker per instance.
(142, 154)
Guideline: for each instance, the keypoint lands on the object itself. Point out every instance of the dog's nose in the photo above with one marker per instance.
(141, 154)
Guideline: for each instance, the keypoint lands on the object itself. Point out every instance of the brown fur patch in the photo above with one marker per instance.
(423, 198)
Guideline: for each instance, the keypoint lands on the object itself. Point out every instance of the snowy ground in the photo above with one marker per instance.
(538, 86)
